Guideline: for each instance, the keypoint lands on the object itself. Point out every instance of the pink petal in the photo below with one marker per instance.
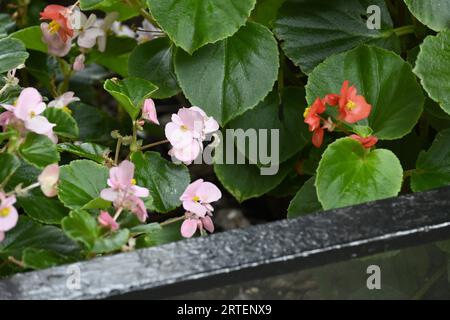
(109, 194)
(138, 208)
(188, 228)
(207, 223)
(140, 192)
(192, 120)
(149, 111)
(194, 207)
(10, 221)
(39, 125)
(48, 180)
(123, 174)
(107, 221)
(78, 64)
(191, 190)
(208, 192)
(177, 136)
(88, 38)
(188, 153)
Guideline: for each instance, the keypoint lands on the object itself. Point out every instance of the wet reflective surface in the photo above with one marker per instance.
(421, 272)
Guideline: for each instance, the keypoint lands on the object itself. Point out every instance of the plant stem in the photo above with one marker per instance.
(117, 215)
(151, 145)
(170, 221)
(401, 31)
(16, 262)
(118, 146)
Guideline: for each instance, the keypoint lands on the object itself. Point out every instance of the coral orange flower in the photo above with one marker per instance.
(312, 113)
(367, 142)
(317, 138)
(352, 107)
(332, 99)
(60, 21)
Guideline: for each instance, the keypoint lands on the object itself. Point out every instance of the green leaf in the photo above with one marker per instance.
(66, 126)
(82, 227)
(266, 11)
(193, 23)
(305, 201)
(97, 203)
(130, 93)
(112, 242)
(313, 30)
(124, 9)
(39, 150)
(81, 182)
(246, 181)
(383, 78)
(42, 259)
(432, 65)
(31, 38)
(348, 175)
(12, 54)
(160, 236)
(29, 234)
(145, 228)
(269, 115)
(434, 14)
(165, 180)
(230, 77)
(153, 61)
(41, 208)
(8, 165)
(433, 166)
(91, 151)
(6, 24)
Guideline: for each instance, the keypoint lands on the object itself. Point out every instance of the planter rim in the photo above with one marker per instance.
(245, 254)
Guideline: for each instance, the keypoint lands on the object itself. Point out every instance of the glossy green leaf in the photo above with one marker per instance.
(31, 38)
(313, 30)
(386, 81)
(41, 208)
(6, 24)
(435, 14)
(91, 151)
(66, 126)
(305, 201)
(153, 61)
(39, 150)
(266, 11)
(160, 236)
(191, 24)
(271, 116)
(432, 65)
(433, 166)
(130, 93)
(124, 9)
(165, 180)
(8, 165)
(42, 259)
(112, 242)
(82, 227)
(348, 175)
(12, 54)
(230, 77)
(81, 182)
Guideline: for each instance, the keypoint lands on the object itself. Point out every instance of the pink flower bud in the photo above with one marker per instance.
(149, 111)
(48, 180)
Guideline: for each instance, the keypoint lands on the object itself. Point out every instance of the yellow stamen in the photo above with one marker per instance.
(196, 198)
(305, 114)
(32, 114)
(184, 128)
(351, 105)
(4, 212)
(67, 110)
(133, 182)
(53, 27)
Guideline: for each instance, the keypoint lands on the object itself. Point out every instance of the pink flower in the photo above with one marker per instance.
(193, 222)
(8, 214)
(60, 21)
(352, 107)
(107, 221)
(48, 180)
(149, 111)
(366, 142)
(198, 196)
(28, 108)
(6, 118)
(55, 45)
(78, 64)
(187, 131)
(63, 100)
(89, 32)
(123, 191)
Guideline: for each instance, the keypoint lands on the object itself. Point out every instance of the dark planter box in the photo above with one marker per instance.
(240, 255)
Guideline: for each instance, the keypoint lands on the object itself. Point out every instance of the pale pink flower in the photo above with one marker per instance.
(193, 222)
(78, 64)
(63, 100)
(122, 30)
(107, 221)
(148, 32)
(198, 196)
(123, 191)
(8, 214)
(6, 118)
(48, 180)
(28, 108)
(210, 124)
(149, 111)
(55, 45)
(89, 32)
(105, 25)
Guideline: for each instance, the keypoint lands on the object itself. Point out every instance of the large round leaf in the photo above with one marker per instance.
(66, 126)
(348, 174)
(12, 54)
(270, 115)
(433, 166)
(305, 201)
(153, 61)
(433, 13)
(8, 165)
(81, 182)
(165, 180)
(432, 65)
(38, 150)
(386, 81)
(230, 77)
(193, 23)
(313, 30)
